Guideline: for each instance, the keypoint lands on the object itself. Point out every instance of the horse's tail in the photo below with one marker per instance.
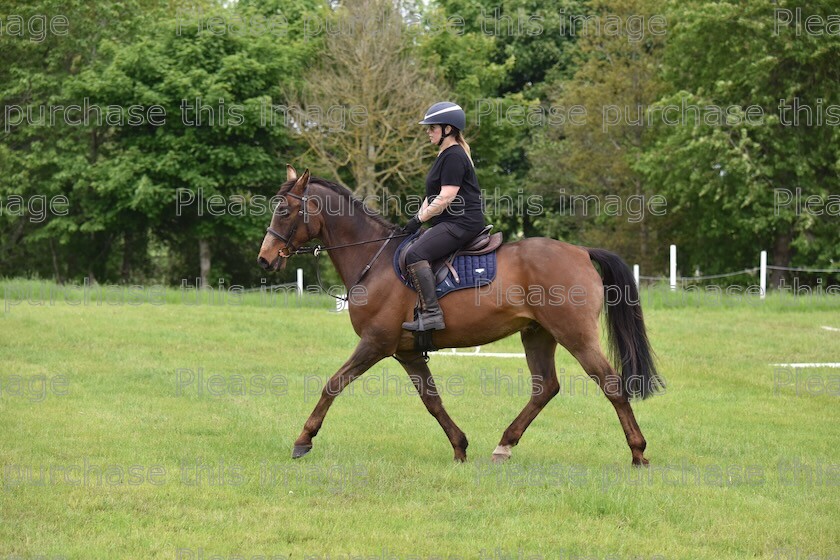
(629, 345)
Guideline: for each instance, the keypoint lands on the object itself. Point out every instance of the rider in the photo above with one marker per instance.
(452, 205)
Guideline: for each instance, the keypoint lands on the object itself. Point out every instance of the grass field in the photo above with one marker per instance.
(163, 429)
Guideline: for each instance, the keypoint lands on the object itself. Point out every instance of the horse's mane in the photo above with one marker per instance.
(348, 195)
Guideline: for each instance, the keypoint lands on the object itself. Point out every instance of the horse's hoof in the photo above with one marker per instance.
(300, 450)
(501, 453)
(641, 463)
(460, 457)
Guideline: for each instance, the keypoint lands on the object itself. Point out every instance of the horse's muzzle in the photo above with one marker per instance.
(279, 263)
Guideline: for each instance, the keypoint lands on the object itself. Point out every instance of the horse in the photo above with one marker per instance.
(360, 241)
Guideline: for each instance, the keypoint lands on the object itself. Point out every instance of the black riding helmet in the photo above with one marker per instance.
(443, 113)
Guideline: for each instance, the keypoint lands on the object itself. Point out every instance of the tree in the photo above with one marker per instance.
(47, 157)
(585, 163)
(359, 107)
(215, 143)
(723, 176)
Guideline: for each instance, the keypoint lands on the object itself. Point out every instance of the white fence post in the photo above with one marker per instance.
(636, 274)
(673, 267)
(300, 281)
(763, 274)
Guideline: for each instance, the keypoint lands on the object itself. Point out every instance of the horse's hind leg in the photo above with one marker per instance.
(596, 365)
(539, 350)
(422, 378)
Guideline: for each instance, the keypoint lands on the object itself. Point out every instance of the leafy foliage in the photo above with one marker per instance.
(100, 199)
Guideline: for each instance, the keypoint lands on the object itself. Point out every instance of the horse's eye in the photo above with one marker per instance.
(282, 211)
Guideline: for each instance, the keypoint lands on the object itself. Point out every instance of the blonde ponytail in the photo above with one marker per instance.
(460, 139)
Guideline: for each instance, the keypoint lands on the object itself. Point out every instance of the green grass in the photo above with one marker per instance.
(380, 481)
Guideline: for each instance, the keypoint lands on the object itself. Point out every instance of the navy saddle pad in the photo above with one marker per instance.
(472, 270)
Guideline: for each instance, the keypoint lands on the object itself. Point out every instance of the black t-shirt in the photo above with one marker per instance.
(453, 167)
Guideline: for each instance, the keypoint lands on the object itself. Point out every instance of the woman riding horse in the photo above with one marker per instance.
(452, 205)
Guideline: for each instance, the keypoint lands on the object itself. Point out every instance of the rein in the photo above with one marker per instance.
(317, 250)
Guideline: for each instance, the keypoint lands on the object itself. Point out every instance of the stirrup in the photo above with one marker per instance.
(423, 320)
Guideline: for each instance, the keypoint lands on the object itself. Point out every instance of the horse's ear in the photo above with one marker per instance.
(291, 174)
(301, 183)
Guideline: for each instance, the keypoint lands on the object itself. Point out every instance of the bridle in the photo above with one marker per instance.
(289, 249)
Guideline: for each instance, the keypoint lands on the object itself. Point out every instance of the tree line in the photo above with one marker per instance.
(141, 139)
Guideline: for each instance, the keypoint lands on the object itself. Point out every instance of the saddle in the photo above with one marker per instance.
(484, 243)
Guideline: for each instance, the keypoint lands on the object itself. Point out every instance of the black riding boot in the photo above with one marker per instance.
(430, 317)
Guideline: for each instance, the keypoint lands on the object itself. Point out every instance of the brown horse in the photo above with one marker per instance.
(546, 290)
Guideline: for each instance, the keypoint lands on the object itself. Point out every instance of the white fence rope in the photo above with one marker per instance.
(762, 269)
(828, 270)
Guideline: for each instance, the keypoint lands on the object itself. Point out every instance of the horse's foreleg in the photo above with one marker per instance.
(422, 378)
(539, 351)
(363, 358)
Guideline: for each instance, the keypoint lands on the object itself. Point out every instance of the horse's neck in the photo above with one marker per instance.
(353, 228)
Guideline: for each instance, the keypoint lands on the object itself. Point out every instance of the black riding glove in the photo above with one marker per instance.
(412, 226)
